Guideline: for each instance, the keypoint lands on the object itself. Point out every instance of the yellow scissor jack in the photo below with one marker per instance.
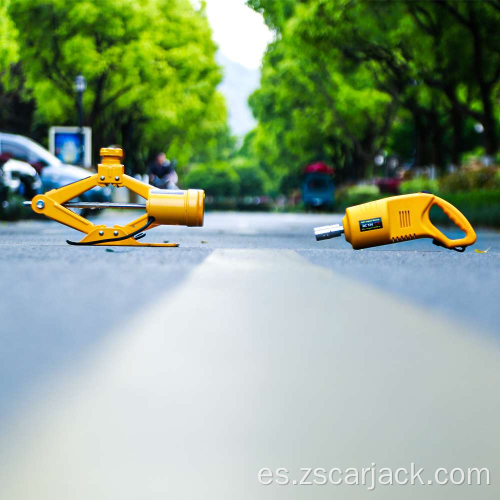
(170, 207)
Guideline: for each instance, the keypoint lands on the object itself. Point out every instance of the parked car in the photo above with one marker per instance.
(53, 172)
(19, 181)
(20, 178)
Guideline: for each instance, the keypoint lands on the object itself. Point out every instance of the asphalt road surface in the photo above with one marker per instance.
(179, 373)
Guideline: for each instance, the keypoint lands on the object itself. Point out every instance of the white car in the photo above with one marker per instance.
(13, 173)
(53, 172)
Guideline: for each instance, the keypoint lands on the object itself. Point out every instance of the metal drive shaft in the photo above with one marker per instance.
(85, 204)
(327, 232)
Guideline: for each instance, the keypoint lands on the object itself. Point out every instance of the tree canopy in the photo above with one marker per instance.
(347, 79)
(8, 39)
(149, 65)
(344, 81)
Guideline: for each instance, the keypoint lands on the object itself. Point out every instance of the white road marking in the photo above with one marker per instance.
(261, 359)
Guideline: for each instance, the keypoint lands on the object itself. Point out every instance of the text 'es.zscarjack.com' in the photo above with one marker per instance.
(372, 476)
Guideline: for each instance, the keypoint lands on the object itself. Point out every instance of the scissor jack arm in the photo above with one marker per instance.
(50, 204)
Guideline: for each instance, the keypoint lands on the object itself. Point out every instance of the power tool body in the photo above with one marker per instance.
(396, 219)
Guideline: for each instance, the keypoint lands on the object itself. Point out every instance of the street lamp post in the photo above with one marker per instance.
(80, 86)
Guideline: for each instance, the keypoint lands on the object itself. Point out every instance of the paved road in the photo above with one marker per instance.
(179, 373)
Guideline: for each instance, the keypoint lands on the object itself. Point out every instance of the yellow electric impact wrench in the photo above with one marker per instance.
(171, 207)
(395, 219)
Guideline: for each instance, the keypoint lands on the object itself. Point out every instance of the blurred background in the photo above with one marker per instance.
(181, 372)
(267, 105)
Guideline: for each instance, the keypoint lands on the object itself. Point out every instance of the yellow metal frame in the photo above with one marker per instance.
(109, 172)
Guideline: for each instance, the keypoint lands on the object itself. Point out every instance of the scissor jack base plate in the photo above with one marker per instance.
(110, 233)
(134, 243)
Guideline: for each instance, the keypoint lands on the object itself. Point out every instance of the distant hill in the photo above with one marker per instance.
(237, 85)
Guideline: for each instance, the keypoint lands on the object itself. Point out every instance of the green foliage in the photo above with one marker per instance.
(356, 195)
(419, 184)
(288, 182)
(218, 179)
(150, 67)
(275, 13)
(253, 180)
(308, 110)
(466, 180)
(9, 50)
(239, 176)
(344, 80)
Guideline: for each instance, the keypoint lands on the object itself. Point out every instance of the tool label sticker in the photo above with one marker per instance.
(370, 224)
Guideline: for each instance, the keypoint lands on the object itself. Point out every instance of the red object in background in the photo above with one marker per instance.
(388, 185)
(319, 167)
(4, 158)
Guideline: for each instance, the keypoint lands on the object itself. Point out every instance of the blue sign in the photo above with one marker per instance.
(68, 148)
(71, 145)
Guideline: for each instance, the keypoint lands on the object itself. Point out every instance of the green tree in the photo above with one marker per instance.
(149, 65)
(217, 179)
(16, 108)
(275, 13)
(9, 51)
(312, 106)
(253, 179)
(464, 50)
(432, 66)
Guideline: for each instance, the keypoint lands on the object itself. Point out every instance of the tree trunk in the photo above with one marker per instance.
(420, 139)
(485, 88)
(437, 140)
(358, 167)
(488, 122)
(457, 125)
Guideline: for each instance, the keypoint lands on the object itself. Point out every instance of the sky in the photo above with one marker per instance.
(239, 31)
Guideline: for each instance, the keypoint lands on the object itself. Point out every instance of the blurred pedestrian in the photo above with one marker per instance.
(162, 173)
